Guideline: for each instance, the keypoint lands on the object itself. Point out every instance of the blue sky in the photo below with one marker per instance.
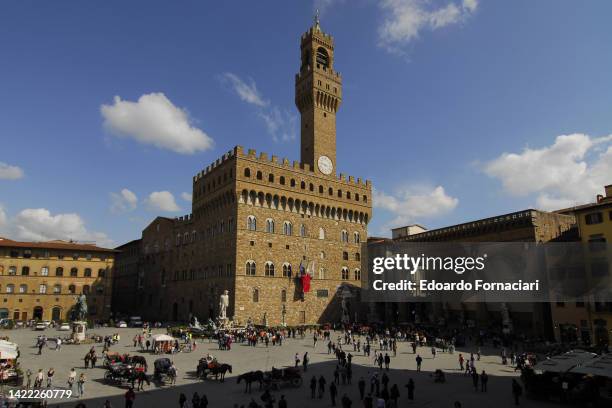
(456, 110)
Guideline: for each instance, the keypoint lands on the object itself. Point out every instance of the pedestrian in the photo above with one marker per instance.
(305, 361)
(433, 352)
(81, 385)
(361, 385)
(282, 402)
(337, 375)
(195, 400)
(173, 371)
(71, 378)
(182, 400)
(93, 360)
(50, 375)
(58, 345)
(333, 391)
(517, 390)
(322, 383)
(313, 386)
(130, 396)
(419, 360)
(475, 380)
(394, 394)
(204, 401)
(484, 379)
(39, 379)
(387, 361)
(461, 360)
(410, 387)
(28, 378)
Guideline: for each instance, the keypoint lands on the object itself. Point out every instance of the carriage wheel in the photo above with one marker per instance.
(296, 382)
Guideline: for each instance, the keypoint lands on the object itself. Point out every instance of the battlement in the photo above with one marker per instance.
(295, 166)
(314, 32)
(334, 74)
(183, 219)
(223, 159)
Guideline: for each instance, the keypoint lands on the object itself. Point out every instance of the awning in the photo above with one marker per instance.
(162, 337)
(564, 362)
(600, 366)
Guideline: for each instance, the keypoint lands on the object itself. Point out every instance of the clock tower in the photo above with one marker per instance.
(318, 93)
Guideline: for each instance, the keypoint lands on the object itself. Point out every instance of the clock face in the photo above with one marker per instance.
(325, 165)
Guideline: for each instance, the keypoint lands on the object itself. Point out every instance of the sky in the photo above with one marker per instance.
(456, 110)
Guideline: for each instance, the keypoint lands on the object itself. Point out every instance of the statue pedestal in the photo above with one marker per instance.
(78, 331)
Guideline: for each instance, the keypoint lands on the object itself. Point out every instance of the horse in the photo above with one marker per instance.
(138, 361)
(250, 377)
(219, 371)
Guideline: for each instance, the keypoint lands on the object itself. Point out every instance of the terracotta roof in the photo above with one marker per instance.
(56, 244)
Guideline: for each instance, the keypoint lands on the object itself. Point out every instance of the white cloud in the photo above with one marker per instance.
(280, 123)
(573, 170)
(187, 197)
(8, 172)
(406, 19)
(155, 120)
(162, 201)
(123, 201)
(247, 92)
(411, 203)
(38, 224)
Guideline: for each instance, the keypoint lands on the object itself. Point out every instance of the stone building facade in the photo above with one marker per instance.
(127, 278)
(260, 222)
(41, 280)
(523, 226)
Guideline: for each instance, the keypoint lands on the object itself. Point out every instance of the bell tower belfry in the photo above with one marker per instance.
(318, 93)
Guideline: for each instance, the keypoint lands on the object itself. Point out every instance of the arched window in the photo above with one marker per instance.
(252, 223)
(321, 273)
(292, 183)
(259, 175)
(74, 272)
(185, 238)
(25, 270)
(101, 273)
(271, 178)
(311, 187)
(302, 231)
(321, 233)
(270, 225)
(357, 274)
(322, 58)
(255, 295)
(322, 255)
(72, 289)
(247, 172)
(59, 271)
(85, 289)
(344, 236)
(303, 185)
(356, 237)
(345, 273)
(23, 288)
(339, 193)
(283, 295)
(10, 288)
(287, 228)
(286, 270)
(348, 195)
(345, 256)
(42, 288)
(57, 289)
(250, 268)
(320, 189)
(357, 256)
(365, 198)
(330, 191)
(282, 180)
(269, 269)
(87, 272)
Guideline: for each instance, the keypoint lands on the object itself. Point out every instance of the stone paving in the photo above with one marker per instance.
(244, 358)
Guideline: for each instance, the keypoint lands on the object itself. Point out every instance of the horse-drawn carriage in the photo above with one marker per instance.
(277, 378)
(122, 372)
(209, 366)
(163, 369)
(111, 358)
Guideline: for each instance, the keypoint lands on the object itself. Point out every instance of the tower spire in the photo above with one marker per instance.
(316, 20)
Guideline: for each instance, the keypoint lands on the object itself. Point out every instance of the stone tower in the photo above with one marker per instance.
(318, 93)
